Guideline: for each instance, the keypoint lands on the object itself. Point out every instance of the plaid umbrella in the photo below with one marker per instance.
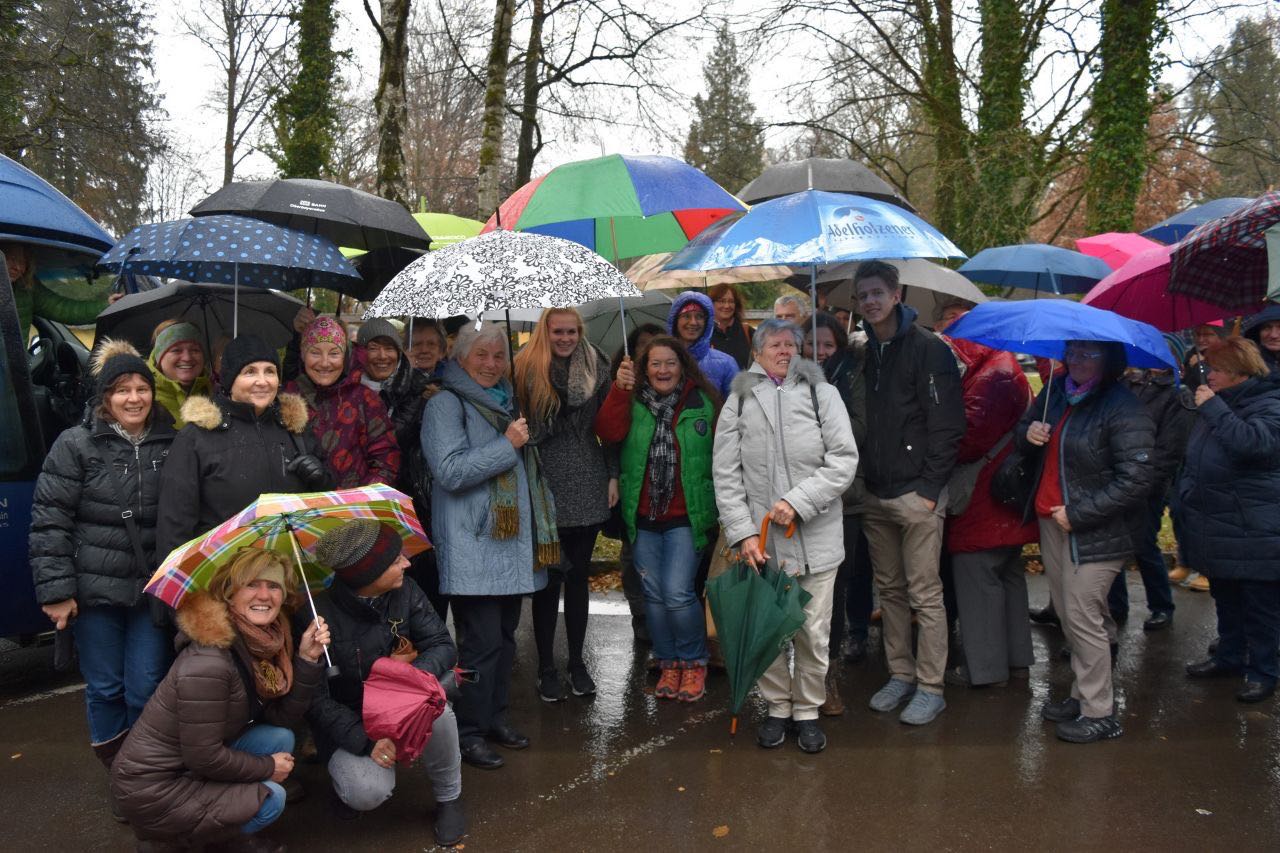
(1224, 262)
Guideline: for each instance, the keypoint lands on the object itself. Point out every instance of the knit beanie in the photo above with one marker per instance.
(242, 352)
(359, 551)
(1176, 346)
(324, 330)
(173, 335)
(113, 359)
(379, 327)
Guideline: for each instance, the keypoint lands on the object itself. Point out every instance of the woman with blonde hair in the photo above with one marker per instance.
(561, 381)
(206, 760)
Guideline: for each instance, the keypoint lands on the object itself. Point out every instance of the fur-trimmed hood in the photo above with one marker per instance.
(205, 620)
(213, 413)
(801, 369)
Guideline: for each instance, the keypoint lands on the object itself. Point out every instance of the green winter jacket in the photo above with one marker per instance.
(169, 394)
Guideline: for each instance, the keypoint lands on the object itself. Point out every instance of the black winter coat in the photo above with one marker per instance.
(224, 459)
(79, 546)
(844, 370)
(361, 633)
(1253, 331)
(915, 411)
(1106, 466)
(404, 398)
(1227, 496)
(1173, 410)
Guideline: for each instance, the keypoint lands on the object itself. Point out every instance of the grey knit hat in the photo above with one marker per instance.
(379, 327)
(359, 551)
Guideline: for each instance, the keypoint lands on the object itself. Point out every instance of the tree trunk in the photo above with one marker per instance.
(953, 177)
(495, 101)
(527, 148)
(389, 100)
(232, 20)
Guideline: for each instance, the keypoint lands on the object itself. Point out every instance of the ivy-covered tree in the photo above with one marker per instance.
(725, 140)
(306, 114)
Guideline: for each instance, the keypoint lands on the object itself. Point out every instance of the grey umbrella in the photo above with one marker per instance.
(820, 173)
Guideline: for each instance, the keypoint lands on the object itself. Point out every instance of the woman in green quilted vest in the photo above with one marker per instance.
(662, 411)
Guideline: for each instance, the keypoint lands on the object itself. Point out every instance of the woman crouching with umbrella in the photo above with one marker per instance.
(205, 761)
(663, 413)
(374, 611)
(1094, 478)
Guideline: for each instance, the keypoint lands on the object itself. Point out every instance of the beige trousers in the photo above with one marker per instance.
(905, 539)
(1079, 596)
(796, 692)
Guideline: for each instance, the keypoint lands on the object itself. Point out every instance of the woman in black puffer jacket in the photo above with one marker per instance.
(1095, 473)
(87, 571)
(1226, 503)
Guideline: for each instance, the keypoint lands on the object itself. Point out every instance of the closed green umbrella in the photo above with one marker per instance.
(756, 614)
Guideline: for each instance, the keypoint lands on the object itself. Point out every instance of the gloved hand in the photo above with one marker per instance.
(309, 469)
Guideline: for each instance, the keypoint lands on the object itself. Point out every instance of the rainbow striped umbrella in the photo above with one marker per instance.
(290, 525)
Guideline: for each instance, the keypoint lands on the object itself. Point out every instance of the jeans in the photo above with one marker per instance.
(265, 740)
(668, 566)
(123, 656)
(1248, 627)
(1155, 575)
(576, 545)
(363, 784)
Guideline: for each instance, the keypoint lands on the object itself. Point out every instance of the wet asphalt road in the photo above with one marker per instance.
(1195, 770)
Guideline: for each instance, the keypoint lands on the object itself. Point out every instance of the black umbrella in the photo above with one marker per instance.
(266, 313)
(349, 217)
(819, 173)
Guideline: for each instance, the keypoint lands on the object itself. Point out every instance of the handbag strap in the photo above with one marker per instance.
(999, 445)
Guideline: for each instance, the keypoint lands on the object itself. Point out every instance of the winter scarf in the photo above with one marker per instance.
(506, 504)
(662, 450)
(269, 653)
(574, 379)
(135, 440)
(1076, 393)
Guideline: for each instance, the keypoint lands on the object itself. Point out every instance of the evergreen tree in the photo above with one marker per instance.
(307, 113)
(725, 140)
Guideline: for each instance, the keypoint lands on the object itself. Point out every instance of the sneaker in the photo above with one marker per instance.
(809, 736)
(1061, 712)
(1088, 729)
(773, 732)
(1197, 583)
(891, 695)
(833, 705)
(669, 684)
(923, 708)
(1178, 574)
(451, 823)
(693, 683)
(550, 687)
(580, 682)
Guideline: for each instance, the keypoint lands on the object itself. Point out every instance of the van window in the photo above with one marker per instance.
(14, 451)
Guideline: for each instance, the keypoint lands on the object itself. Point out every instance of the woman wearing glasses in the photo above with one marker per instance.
(1094, 476)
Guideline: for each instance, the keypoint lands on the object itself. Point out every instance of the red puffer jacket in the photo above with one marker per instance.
(996, 394)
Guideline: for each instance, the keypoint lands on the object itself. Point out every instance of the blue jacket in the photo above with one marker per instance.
(718, 367)
(464, 452)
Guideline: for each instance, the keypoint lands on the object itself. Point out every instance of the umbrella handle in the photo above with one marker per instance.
(764, 531)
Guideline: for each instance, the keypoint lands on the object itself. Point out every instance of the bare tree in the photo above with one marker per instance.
(495, 104)
(389, 99)
(248, 39)
(175, 182)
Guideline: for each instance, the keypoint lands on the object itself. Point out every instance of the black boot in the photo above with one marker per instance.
(451, 822)
(106, 753)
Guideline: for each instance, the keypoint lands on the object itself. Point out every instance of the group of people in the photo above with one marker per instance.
(901, 459)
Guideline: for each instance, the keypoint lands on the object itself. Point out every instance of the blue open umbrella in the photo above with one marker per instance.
(1036, 266)
(1181, 224)
(33, 212)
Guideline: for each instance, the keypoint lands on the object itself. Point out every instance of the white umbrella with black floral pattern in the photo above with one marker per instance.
(500, 270)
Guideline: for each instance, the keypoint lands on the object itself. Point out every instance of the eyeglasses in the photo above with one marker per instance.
(1080, 355)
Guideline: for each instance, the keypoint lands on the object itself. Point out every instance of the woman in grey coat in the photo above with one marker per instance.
(493, 526)
(785, 451)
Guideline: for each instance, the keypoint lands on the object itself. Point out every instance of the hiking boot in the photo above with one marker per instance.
(892, 695)
(550, 687)
(693, 682)
(580, 681)
(833, 705)
(669, 684)
(1061, 712)
(1089, 729)
(923, 708)
(773, 732)
(450, 824)
(809, 736)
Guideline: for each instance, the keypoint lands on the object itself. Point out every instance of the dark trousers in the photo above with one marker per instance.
(991, 596)
(576, 545)
(632, 586)
(486, 626)
(1248, 627)
(851, 599)
(426, 573)
(1155, 574)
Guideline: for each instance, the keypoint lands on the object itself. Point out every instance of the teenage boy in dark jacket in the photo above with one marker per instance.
(915, 420)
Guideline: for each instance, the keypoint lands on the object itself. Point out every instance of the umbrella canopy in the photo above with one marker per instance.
(347, 216)
(401, 702)
(837, 175)
(1179, 225)
(446, 229)
(33, 212)
(925, 283)
(232, 250)
(1139, 290)
(814, 227)
(1224, 262)
(755, 613)
(501, 269)
(650, 273)
(1043, 327)
(1114, 247)
(1035, 266)
(604, 323)
(266, 313)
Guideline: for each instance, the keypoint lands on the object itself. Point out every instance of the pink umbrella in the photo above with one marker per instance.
(401, 702)
(1139, 290)
(1115, 248)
